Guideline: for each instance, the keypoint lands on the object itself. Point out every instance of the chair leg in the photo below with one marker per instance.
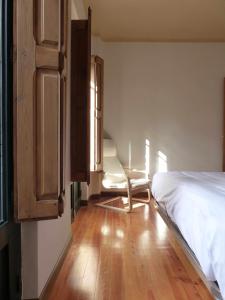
(130, 203)
(142, 200)
(129, 195)
(130, 198)
(105, 204)
(149, 194)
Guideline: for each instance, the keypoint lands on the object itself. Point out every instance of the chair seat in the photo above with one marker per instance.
(139, 182)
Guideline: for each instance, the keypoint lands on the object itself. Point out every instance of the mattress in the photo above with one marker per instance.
(195, 201)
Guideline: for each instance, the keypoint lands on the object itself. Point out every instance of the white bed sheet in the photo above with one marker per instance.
(195, 201)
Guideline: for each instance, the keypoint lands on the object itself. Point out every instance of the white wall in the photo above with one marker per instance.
(169, 93)
(78, 11)
(44, 242)
(97, 46)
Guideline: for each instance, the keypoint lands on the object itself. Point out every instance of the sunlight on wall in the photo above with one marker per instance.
(162, 162)
(147, 158)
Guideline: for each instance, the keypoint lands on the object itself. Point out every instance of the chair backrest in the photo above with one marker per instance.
(113, 171)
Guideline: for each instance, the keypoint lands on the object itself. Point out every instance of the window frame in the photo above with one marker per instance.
(7, 109)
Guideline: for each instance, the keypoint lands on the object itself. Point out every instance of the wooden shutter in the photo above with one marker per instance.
(80, 99)
(39, 99)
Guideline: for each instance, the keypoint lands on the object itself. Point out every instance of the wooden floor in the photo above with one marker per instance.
(125, 256)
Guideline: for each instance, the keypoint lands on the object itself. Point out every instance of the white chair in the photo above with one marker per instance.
(120, 180)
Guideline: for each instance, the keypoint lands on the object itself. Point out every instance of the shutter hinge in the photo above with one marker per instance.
(61, 62)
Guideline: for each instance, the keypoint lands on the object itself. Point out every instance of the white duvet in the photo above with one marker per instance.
(195, 201)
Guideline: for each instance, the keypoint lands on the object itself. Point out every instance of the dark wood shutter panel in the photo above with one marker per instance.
(80, 99)
(39, 77)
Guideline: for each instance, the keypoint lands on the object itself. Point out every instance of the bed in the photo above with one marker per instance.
(195, 202)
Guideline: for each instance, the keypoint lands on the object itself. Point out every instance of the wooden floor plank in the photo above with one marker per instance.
(119, 256)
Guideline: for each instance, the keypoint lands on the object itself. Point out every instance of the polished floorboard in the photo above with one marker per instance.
(119, 256)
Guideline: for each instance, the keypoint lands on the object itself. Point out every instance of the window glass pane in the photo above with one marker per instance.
(1, 124)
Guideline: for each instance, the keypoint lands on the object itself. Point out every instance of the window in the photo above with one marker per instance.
(5, 125)
(1, 126)
(96, 114)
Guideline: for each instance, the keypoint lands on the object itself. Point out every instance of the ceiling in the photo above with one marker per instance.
(159, 20)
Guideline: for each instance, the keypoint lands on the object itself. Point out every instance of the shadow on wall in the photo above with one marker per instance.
(29, 235)
(106, 135)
